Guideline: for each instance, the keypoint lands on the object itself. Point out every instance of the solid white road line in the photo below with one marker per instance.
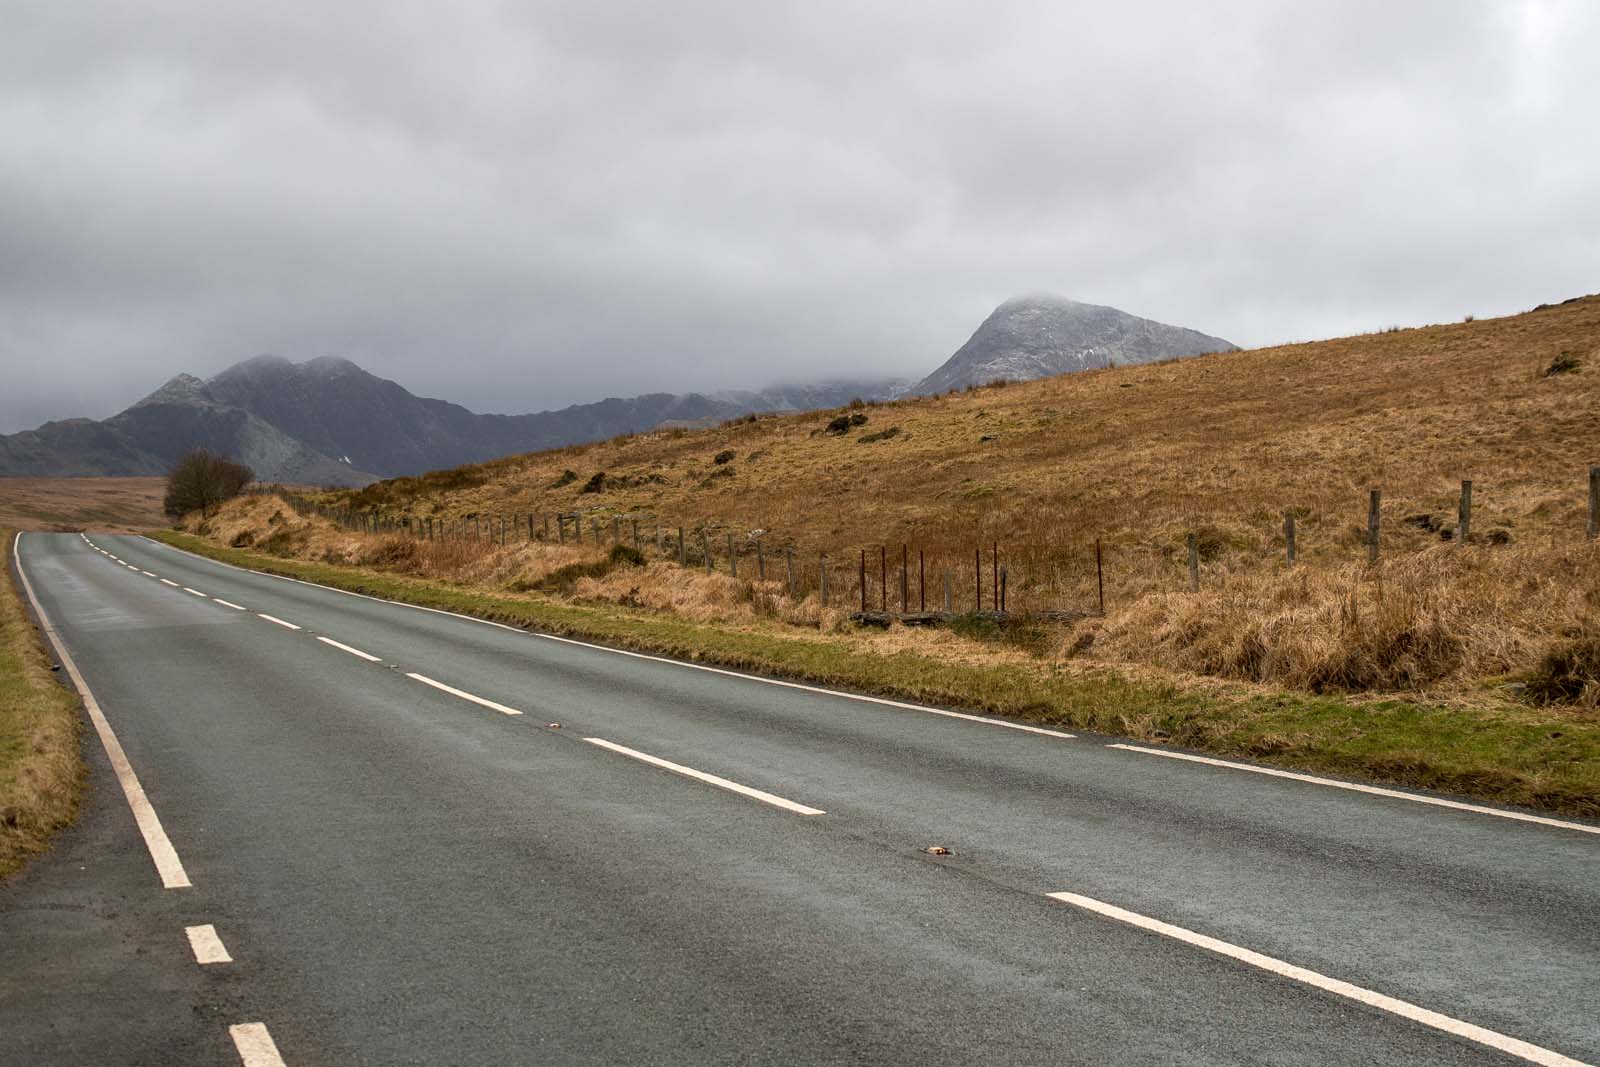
(196, 592)
(169, 581)
(280, 622)
(985, 720)
(369, 657)
(227, 603)
(173, 876)
(709, 779)
(1404, 1009)
(1378, 791)
(453, 691)
(208, 947)
(815, 689)
(255, 1045)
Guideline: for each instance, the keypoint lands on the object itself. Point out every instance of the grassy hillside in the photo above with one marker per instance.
(1140, 457)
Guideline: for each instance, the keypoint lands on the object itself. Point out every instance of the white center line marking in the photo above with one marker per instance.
(453, 691)
(709, 779)
(169, 581)
(369, 657)
(280, 622)
(208, 947)
(1372, 790)
(255, 1045)
(173, 876)
(1404, 1009)
(196, 592)
(147, 574)
(227, 603)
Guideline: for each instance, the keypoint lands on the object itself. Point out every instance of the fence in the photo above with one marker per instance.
(1065, 575)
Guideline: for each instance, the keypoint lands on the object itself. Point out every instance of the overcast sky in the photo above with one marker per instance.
(523, 205)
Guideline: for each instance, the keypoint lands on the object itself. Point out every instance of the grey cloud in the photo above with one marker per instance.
(527, 205)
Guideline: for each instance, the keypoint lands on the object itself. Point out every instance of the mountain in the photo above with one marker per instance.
(1039, 336)
(149, 436)
(327, 421)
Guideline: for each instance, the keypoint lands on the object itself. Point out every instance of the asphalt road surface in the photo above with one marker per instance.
(368, 810)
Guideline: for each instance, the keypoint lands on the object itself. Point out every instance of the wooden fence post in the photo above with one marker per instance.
(1100, 575)
(1594, 503)
(761, 562)
(616, 528)
(705, 546)
(922, 582)
(683, 549)
(636, 535)
(788, 559)
(949, 594)
(1288, 536)
(822, 579)
(1374, 509)
(863, 581)
(1194, 564)
(1464, 512)
(561, 528)
(1002, 590)
(733, 559)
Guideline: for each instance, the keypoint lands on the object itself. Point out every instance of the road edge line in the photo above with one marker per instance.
(1358, 787)
(165, 857)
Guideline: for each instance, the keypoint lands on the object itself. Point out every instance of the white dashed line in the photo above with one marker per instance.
(709, 779)
(196, 592)
(208, 947)
(147, 574)
(255, 1045)
(168, 866)
(1513, 1046)
(280, 622)
(453, 691)
(169, 581)
(369, 657)
(228, 603)
(1372, 790)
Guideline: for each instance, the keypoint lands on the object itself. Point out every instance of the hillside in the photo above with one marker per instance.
(1139, 457)
(1035, 337)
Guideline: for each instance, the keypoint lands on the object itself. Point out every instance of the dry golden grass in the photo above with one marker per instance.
(41, 774)
(118, 505)
(1139, 457)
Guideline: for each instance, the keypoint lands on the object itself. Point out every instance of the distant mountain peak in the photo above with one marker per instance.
(1040, 335)
(179, 389)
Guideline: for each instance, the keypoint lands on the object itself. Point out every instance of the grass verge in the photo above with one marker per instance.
(1542, 759)
(41, 771)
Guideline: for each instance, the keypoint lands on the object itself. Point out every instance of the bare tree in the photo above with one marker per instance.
(201, 480)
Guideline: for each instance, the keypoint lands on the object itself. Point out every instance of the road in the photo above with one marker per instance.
(426, 839)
